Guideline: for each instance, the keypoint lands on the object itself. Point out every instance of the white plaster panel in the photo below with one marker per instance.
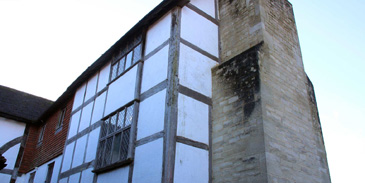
(195, 70)
(87, 176)
(191, 164)
(78, 158)
(67, 157)
(92, 145)
(91, 87)
(86, 116)
(193, 119)
(151, 115)
(199, 31)
(155, 69)
(5, 178)
(119, 175)
(121, 91)
(21, 179)
(158, 33)
(11, 155)
(205, 5)
(104, 77)
(74, 124)
(41, 173)
(64, 180)
(98, 108)
(148, 162)
(10, 129)
(56, 168)
(79, 97)
(74, 178)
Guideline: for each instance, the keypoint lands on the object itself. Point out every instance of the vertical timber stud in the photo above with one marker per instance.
(170, 123)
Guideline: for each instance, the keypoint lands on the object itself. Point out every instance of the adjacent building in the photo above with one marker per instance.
(197, 91)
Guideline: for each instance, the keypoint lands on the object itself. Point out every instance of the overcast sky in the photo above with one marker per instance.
(45, 45)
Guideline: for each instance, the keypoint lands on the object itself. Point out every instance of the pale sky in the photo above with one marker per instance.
(46, 45)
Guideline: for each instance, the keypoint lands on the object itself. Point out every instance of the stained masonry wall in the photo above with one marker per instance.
(292, 139)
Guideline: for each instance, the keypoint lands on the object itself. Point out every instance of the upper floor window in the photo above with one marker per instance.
(129, 55)
(31, 177)
(41, 134)
(49, 172)
(61, 118)
(114, 138)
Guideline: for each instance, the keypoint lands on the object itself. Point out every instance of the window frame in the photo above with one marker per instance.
(31, 177)
(61, 119)
(129, 149)
(49, 172)
(41, 134)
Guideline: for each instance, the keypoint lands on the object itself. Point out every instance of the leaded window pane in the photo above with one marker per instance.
(108, 148)
(113, 124)
(121, 117)
(104, 128)
(129, 116)
(116, 147)
(125, 144)
(114, 73)
(137, 53)
(128, 60)
(101, 153)
(121, 65)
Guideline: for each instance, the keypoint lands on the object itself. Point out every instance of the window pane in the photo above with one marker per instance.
(125, 143)
(129, 116)
(100, 154)
(114, 71)
(104, 128)
(116, 148)
(113, 123)
(137, 53)
(128, 60)
(108, 149)
(121, 120)
(121, 65)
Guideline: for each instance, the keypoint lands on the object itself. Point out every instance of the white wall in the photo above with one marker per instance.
(158, 33)
(199, 31)
(79, 97)
(74, 124)
(79, 153)
(91, 87)
(121, 91)
(155, 69)
(191, 164)
(41, 172)
(119, 175)
(206, 6)
(148, 162)
(67, 160)
(5, 178)
(86, 116)
(195, 70)
(98, 111)
(151, 115)
(103, 77)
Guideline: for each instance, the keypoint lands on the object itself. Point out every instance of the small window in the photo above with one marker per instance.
(61, 118)
(31, 177)
(41, 134)
(114, 138)
(49, 172)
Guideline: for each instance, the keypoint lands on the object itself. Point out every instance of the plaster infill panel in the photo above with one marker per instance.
(86, 116)
(121, 91)
(103, 77)
(64, 180)
(191, 164)
(10, 129)
(79, 97)
(78, 158)
(148, 162)
(11, 155)
(92, 145)
(158, 33)
(151, 115)
(155, 69)
(91, 87)
(5, 177)
(74, 178)
(199, 31)
(195, 70)
(74, 124)
(119, 175)
(193, 119)
(98, 108)
(87, 176)
(207, 6)
(67, 159)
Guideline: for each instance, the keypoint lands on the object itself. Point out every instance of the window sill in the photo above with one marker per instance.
(113, 166)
